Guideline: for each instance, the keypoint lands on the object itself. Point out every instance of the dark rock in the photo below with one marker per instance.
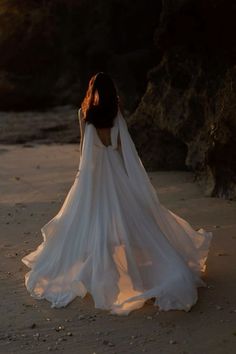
(190, 96)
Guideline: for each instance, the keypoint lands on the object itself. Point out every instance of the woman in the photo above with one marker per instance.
(112, 237)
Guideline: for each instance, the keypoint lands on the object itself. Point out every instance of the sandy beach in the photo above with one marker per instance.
(34, 181)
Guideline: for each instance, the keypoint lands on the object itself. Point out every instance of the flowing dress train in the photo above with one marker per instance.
(114, 239)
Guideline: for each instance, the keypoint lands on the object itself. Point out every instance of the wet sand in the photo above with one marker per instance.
(34, 182)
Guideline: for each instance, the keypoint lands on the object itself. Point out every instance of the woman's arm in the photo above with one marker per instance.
(82, 127)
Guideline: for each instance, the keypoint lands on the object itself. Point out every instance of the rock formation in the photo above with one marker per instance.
(191, 95)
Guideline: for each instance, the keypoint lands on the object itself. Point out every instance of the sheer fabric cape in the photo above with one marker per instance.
(113, 238)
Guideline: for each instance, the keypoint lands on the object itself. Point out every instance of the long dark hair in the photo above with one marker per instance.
(100, 105)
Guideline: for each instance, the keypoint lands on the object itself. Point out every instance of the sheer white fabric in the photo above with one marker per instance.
(113, 238)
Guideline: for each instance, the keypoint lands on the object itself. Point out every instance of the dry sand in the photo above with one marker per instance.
(34, 182)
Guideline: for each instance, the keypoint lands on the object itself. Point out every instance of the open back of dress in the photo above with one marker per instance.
(113, 238)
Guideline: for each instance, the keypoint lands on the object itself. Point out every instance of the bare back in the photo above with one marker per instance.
(104, 135)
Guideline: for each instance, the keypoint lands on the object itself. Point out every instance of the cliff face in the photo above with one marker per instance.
(174, 63)
(191, 95)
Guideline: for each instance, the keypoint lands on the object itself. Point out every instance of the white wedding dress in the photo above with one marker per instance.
(113, 238)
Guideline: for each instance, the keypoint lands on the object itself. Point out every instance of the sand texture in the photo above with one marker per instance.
(34, 182)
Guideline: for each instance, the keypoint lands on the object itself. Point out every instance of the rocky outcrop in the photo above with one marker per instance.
(191, 95)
